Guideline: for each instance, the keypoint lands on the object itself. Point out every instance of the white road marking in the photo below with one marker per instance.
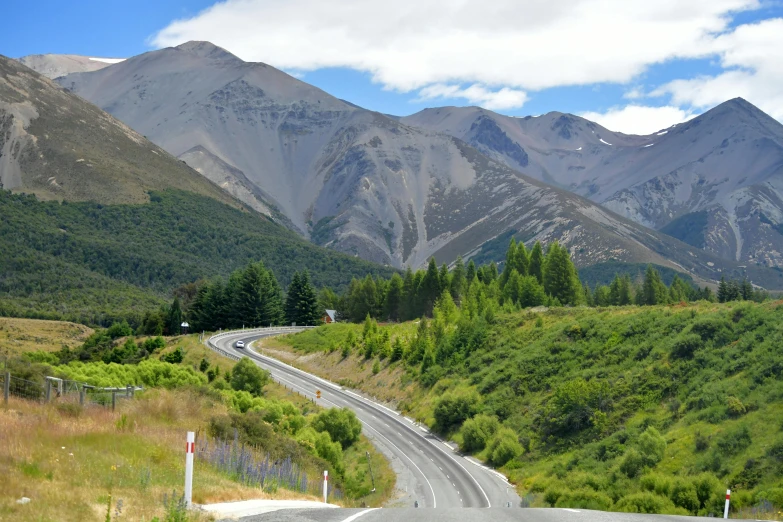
(357, 515)
(571, 510)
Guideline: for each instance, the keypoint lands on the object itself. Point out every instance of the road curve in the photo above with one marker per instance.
(427, 469)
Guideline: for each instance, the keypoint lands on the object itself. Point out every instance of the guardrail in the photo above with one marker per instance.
(210, 342)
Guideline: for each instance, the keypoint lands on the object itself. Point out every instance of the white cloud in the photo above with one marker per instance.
(634, 94)
(753, 55)
(639, 119)
(501, 99)
(411, 44)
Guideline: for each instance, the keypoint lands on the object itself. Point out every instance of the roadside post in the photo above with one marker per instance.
(190, 448)
(726, 509)
(326, 484)
(6, 386)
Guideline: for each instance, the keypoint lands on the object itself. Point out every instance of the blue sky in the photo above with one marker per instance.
(635, 68)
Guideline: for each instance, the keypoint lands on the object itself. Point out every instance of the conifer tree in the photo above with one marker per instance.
(510, 263)
(394, 298)
(292, 300)
(536, 263)
(470, 276)
(521, 259)
(408, 296)
(308, 313)
(174, 319)
(531, 293)
(723, 290)
(653, 290)
(458, 279)
(430, 287)
(560, 278)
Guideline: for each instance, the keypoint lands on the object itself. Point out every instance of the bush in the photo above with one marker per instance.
(552, 495)
(735, 407)
(246, 376)
(658, 484)
(647, 502)
(477, 431)
(632, 463)
(585, 499)
(686, 346)
(575, 406)
(734, 441)
(652, 446)
(341, 424)
(701, 443)
(503, 447)
(175, 357)
(453, 408)
(683, 494)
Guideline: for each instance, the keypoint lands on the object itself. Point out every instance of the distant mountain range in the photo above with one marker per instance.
(446, 181)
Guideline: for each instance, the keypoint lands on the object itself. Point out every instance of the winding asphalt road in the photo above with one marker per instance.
(428, 471)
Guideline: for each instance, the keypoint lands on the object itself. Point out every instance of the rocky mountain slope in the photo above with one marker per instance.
(351, 179)
(57, 146)
(55, 65)
(715, 181)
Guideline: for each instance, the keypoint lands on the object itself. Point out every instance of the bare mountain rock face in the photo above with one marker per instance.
(714, 181)
(55, 65)
(362, 182)
(57, 146)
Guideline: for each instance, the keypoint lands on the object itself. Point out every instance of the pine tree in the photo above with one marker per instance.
(522, 260)
(408, 296)
(531, 293)
(746, 290)
(292, 300)
(430, 287)
(653, 290)
(723, 290)
(536, 264)
(588, 295)
(272, 299)
(174, 319)
(397, 350)
(491, 273)
(510, 263)
(511, 288)
(560, 278)
(394, 298)
(471, 273)
(458, 280)
(308, 313)
(444, 278)
(602, 296)
(733, 291)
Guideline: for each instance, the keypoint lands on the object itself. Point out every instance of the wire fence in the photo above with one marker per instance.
(62, 391)
(248, 467)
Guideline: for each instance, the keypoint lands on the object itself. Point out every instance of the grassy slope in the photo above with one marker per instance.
(33, 463)
(92, 263)
(28, 335)
(523, 361)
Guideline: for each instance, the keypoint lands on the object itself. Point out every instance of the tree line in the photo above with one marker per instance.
(537, 277)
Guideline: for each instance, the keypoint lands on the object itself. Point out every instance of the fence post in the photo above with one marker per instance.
(726, 509)
(326, 483)
(113, 399)
(189, 450)
(6, 386)
(133, 391)
(48, 390)
(82, 393)
(127, 391)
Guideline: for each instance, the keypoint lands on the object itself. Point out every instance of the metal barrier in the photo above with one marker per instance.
(271, 330)
(61, 390)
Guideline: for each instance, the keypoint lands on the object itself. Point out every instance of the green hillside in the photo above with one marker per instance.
(648, 409)
(95, 263)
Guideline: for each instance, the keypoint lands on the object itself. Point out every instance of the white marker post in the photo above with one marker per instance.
(190, 449)
(726, 509)
(326, 484)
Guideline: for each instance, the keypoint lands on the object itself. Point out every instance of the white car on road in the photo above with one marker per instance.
(240, 344)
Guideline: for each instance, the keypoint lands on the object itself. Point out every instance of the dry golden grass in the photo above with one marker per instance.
(67, 462)
(387, 386)
(26, 335)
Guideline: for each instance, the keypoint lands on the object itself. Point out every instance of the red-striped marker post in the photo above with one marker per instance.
(326, 484)
(726, 509)
(190, 448)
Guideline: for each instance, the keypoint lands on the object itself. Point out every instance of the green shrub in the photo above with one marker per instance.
(552, 495)
(503, 447)
(246, 376)
(454, 407)
(700, 442)
(647, 502)
(575, 406)
(683, 494)
(341, 424)
(735, 406)
(733, 441)
(175, 357)
(686, 346)
(656, 483)
(477, 431)
(585, 499)
(632, 463)
(652, 446)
